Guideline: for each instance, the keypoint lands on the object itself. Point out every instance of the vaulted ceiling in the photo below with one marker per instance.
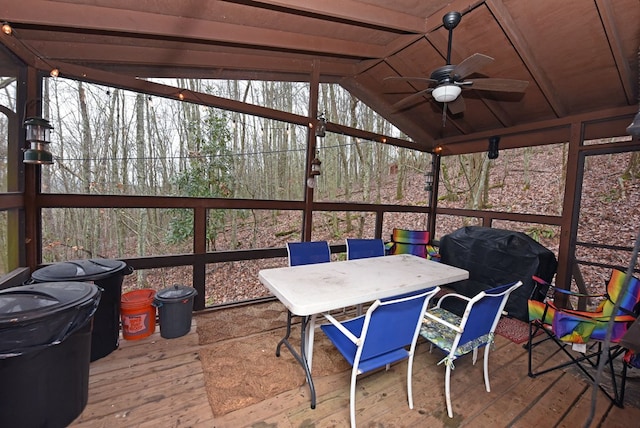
(580, 57)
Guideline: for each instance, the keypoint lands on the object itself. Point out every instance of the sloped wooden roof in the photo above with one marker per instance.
(580, 56)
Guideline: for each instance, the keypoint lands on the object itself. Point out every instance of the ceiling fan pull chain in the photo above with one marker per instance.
(444, 114)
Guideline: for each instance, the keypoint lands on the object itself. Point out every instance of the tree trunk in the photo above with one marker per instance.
(141, 226)
(633, 168)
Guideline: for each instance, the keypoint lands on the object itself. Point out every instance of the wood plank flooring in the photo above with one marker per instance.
(148, 382)
(156, 382)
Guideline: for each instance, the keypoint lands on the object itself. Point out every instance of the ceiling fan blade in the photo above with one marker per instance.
(456, 106)
(413, 97)
(409, 79)
(471, 65)
(502, 85)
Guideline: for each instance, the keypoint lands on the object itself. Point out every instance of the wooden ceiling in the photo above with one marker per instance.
(580, 56)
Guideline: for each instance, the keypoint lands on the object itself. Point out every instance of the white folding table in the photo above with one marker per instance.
(313, 289)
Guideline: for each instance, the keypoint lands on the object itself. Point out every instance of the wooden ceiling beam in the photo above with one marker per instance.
(519, 43)
(537, 137)
(355, 12)
(156, 26)
(393, 48)
(463, 6)
(210, 73)
(544, 126)
(401, 43)
(434, 22)
(115, 55)
(423, 141)
(18, 48)
(152, 88)
(610, 29)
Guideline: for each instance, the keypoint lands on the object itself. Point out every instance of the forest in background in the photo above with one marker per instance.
(110, 141)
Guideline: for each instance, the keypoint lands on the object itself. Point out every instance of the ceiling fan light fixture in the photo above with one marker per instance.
(446, 93)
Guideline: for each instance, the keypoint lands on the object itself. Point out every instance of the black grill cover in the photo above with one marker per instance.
(496, 257)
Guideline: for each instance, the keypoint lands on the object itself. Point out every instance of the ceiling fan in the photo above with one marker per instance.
(446, 82)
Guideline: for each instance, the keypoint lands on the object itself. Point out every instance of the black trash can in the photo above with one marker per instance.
(45, 344)
(106, 274)
(175, 308)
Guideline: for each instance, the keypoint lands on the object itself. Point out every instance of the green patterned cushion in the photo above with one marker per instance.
(443, 337)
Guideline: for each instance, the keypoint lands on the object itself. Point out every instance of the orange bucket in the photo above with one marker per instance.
(137, 313)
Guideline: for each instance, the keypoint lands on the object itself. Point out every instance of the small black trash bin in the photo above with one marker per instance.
(45, 343)
(175, 308)
(106, 274)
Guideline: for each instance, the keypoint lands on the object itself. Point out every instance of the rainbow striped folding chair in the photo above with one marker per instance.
(580, 334)
(405, 241)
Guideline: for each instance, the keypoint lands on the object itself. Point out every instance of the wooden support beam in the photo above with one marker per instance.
(108, 21)
(627, 79)
(519, 43)
(355, 12)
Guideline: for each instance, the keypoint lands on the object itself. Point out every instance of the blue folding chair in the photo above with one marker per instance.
(380, 337)
(306, 253)
(303, 253)
(364, 248)
(358, 248)
(458, 336)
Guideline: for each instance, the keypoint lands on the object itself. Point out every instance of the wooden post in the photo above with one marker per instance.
(32, 175)
(433, 201)
(307, 215)
(570, 212)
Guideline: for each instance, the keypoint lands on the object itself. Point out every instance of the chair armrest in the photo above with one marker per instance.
(574, 293)
(596, 316)
(553, 289)
(343, 329)
(454, 295)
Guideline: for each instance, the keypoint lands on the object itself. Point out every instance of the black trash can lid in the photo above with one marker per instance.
(79, 270)
(175, 293)
(31, 302)
(39, 315)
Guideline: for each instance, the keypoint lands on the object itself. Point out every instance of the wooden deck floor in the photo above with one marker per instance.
(155, 382)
